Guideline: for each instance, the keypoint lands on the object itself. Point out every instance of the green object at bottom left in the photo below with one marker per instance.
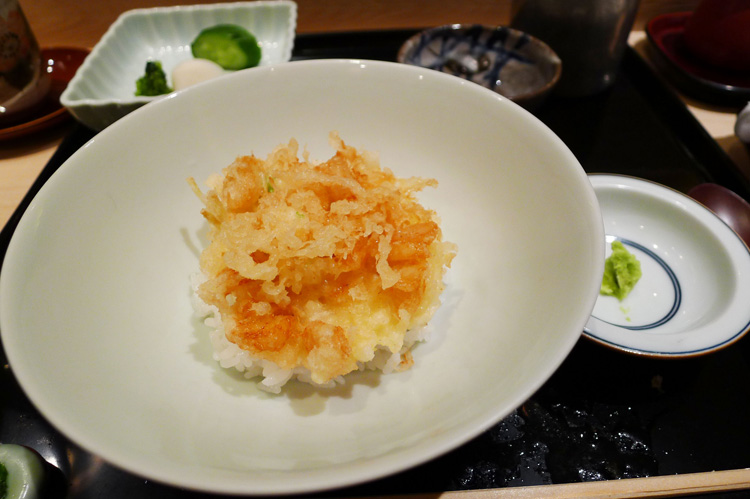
(3, 481)
(21, 472)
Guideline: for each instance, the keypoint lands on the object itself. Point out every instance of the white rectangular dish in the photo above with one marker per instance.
(103, 89)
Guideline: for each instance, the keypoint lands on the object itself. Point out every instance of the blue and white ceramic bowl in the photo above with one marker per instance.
(516, 65)
(694, 293)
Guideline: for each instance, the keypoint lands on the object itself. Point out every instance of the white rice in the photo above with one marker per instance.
(229, 355)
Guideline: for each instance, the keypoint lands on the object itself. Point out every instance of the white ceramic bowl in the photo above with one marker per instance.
(694, 293)
(95, 296)
(103, 89)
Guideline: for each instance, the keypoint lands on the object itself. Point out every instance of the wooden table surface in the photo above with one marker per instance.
(72, 23)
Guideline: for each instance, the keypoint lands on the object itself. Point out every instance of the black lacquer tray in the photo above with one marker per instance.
(603, 415)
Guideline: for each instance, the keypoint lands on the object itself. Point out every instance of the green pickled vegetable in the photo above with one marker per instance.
(153, 82)
(621, 272)
(3, 481)
(230, 46)
(22, 472)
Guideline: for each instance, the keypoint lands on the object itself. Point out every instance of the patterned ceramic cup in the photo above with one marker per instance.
(23, 82)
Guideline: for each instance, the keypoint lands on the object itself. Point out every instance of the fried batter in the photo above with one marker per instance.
(319, 265)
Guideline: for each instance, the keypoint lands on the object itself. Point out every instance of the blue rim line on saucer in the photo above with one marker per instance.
(672, 312)
(713, 325)
(675, 285)
(667, 353)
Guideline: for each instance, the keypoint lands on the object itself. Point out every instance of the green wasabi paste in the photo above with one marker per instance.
(621, 272)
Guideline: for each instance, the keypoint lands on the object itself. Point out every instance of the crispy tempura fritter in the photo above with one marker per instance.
(319, 265)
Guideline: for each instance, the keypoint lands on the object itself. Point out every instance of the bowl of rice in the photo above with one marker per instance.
(301, 277)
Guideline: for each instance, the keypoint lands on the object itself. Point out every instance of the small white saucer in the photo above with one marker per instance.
(694, 295)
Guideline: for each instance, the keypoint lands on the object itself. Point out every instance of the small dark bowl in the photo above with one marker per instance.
(727, 205)
(516, 65)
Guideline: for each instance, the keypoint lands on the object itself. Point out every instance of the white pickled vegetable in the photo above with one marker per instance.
(194, 71)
